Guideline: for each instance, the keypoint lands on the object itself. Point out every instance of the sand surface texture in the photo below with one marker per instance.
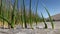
(38, 30)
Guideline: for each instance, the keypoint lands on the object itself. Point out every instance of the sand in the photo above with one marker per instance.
(38, 30)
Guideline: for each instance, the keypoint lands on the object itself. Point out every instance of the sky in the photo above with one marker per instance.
(52, 5)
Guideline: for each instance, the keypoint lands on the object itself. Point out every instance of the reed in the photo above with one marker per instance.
(21, 5)
(24, 13)
(36, 11)
(50, 18)
(30, 14)
(0, 7)
(12, 15)
(44, 21)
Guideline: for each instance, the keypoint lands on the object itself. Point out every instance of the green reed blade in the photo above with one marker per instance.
(13, 15)
(30, 14)
(5, 19)
(24, 13)
(50, 18)
(36, 11)
(44, 21)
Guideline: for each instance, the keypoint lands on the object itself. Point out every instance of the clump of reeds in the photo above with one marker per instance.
(50, 18)
(14, 16)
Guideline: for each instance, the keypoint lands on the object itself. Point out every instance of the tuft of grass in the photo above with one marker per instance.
(12, 15)
(52, 24)
(50, 18)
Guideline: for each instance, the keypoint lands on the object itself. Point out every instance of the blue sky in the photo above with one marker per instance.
(52, 5)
